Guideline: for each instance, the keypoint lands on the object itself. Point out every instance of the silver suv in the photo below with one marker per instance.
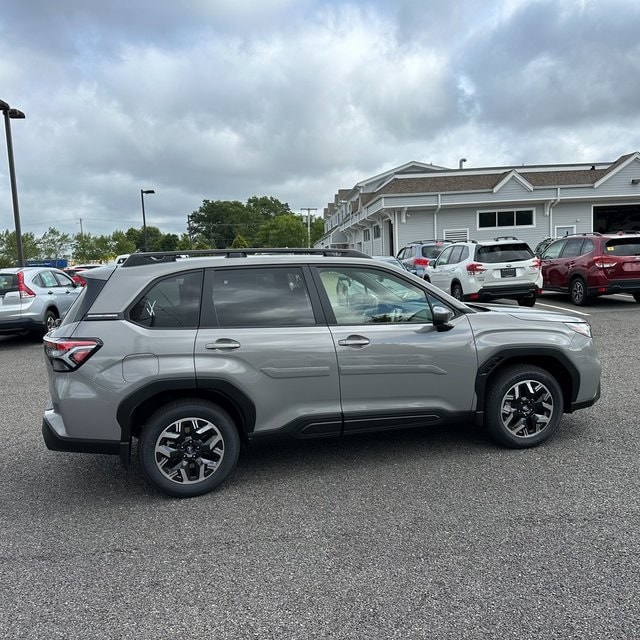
(32, 299)
(193, 357)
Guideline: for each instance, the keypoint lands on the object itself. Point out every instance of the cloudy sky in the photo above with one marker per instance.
(227, 99)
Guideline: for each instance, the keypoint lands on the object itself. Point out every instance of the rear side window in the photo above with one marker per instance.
(258, 297)
(8, 282)
(623, 247)
(170, 303)
(504, 252)
(432, 250)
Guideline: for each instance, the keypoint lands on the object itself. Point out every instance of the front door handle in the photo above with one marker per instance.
(354, 341)
(224, 344)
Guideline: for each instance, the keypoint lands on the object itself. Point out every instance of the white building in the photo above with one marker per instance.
(419, 201)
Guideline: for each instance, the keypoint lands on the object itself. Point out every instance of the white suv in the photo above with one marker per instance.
(484, 270)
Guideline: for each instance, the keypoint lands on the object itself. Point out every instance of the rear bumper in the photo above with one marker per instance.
(615, 286)
(56, 441)
(524, 290)
(18, 324)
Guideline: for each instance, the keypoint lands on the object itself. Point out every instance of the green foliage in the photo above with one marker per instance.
(262, 221)
(54, 244)
(9, 248)
(283, 231)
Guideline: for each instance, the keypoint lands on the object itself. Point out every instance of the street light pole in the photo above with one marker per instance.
(144, 220)
(10, 113)
(309, 210)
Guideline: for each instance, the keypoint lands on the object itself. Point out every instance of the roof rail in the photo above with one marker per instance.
(630, 232)
(506, 238)
(154, 257)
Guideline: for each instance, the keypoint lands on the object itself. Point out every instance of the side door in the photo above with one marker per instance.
(263, 335)
(552, 266)
(441, 273)
(396, 368)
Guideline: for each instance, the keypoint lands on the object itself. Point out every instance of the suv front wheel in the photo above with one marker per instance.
(524, 406)
(188, 447)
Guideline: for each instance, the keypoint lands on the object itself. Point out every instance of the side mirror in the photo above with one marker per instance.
(442, 318)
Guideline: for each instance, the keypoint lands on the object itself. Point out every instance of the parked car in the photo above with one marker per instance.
(392, 261)
(542, 245)
(75, 272)
(490, 269)
(593, 264)
(194, 356)
(33, 298)
(416, 256)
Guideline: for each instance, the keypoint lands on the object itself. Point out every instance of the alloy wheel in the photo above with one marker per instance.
(526, 408)
(189, 450)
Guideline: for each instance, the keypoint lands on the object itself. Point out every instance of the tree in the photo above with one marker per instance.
(9, 248)
(267, 207)
(122, 243)
(283, 231)
(317, 230)
(220, 221)
(54, 244)
(239, 243)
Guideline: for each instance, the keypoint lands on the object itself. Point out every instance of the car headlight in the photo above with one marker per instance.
(583, 328)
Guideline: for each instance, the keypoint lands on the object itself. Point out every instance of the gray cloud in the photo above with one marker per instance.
(293, 99)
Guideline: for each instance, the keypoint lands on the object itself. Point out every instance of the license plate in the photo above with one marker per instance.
(631, 266)
(507, 273)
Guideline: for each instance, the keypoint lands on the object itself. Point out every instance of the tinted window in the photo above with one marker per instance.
(572, 248)
(8, 282)
(170, 303)
(456, 255)
(553, 250)
(63, 280)
(504, 252)
(445, 256)
(432, 250)
(260, 297)
(362, 296)
(623, 247)
(46, 279)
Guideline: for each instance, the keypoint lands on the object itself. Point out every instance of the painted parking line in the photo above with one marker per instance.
(553, 306)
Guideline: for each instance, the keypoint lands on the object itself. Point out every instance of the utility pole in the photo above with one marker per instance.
(309, 210)
(81, 232)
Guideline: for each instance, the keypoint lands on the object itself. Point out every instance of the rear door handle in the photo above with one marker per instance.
(224, 344)
(354, 341)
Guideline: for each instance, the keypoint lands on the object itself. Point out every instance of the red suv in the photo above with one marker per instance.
(587, 265)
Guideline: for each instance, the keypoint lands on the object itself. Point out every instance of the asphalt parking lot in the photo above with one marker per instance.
(431, 533)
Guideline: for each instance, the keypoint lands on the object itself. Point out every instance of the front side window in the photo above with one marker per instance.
(363, 295)
(170, 303)
(259, 297)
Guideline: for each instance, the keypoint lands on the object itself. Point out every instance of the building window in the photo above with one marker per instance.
(498, 219)
(376, 231)
(366, 235)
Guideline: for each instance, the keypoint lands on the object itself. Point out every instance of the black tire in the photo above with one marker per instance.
(456, 290)
(529, 301)
(50, 318)
(188, 466)
(426, 278)
(528, 417)
(636, 297)
(578, 292)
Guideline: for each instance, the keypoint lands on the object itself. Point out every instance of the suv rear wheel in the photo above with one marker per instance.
(578, 292)
(524, 406)
(188, 447)
(529, 301)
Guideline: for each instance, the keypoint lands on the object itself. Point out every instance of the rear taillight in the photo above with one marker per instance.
(605, 262)
(67, 354)
(421, 262)
(475, 267)
(25, 292)
(536, 264)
